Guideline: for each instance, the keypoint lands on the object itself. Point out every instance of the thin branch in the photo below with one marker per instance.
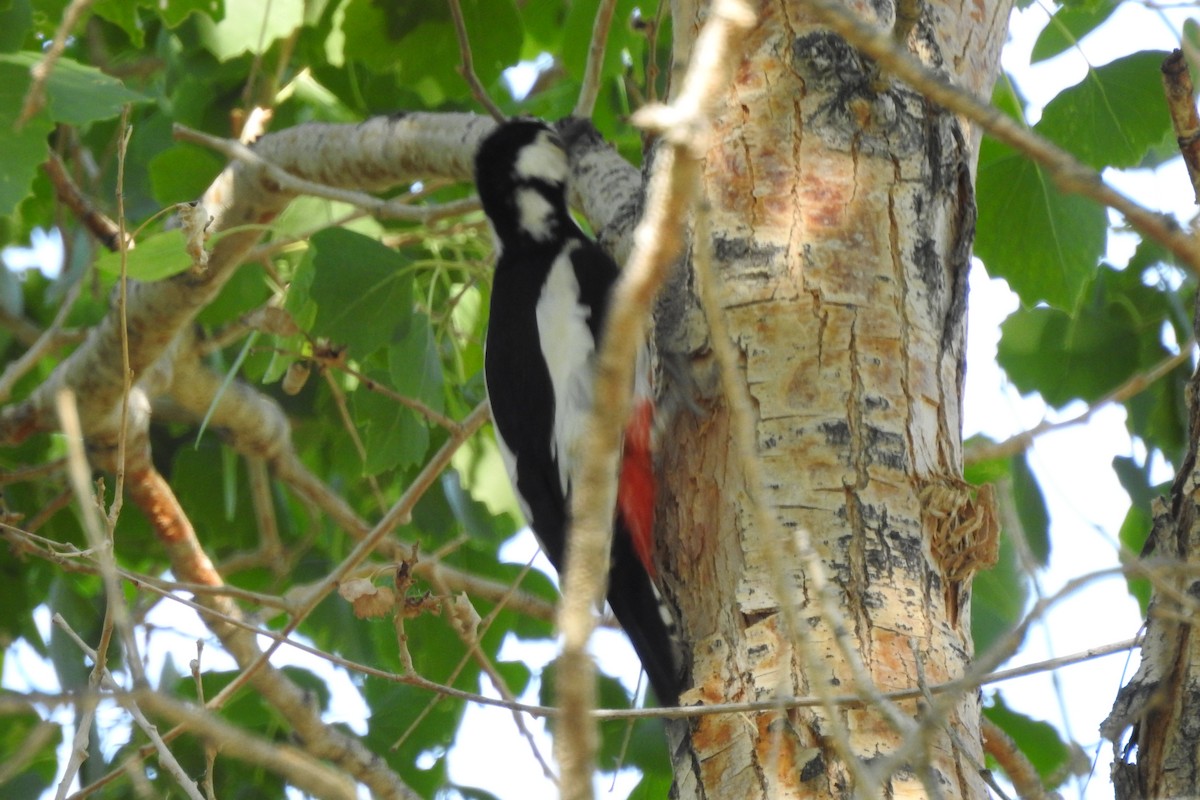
(398, 514)
(471, 636)
(123, 237)
(92, 218)
(467, 68)
(50, 339)
(590, 89)
(153, 495)
(998, 745)
(1068, 173)
(293, 764)
(1129, 389)
(658, 243)
(165, 756)
(116, 612)
(35, 96)
(1181, 103)
(436, 417)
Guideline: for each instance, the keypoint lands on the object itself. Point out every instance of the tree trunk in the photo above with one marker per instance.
(1155, 722)
(840, 219)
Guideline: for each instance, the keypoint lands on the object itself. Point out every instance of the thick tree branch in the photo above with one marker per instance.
(377, 154)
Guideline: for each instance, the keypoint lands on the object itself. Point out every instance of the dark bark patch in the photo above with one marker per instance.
(886, 449)
(815, 768)
(856, 113)
(743, 249)
(837, 434)
(929, 268)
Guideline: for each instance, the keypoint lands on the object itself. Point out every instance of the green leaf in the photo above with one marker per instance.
(375, 41)
(182, 173)
(1068, 25)
(1031, 509)
(176, 12)
(156, 257)
(16, 22)
(252, 29)
(394, 436)
(78, 94)
(1046, 351)
(1038, 740)
(1135, 529)
(38, 773)
(123, 14)
(1114, 334)
(998, 597)
(25, 149)
(482, 472)
(1114, 115)
(416, 367)
(993, 470)
(1044, 243)
(364, 295)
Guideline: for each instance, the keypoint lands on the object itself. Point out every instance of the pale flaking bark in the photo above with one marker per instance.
(842, 213)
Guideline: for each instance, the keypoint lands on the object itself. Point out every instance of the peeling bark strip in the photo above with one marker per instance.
(842, 215)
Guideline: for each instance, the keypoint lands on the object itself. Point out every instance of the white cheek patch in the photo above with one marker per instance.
(543, 160)
(535, 213)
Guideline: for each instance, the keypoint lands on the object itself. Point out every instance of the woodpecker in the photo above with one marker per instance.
(550, 297)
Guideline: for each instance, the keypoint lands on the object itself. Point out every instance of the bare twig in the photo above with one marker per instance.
(101, 544)
(398, 514)
(92, 218)
(467, 68)
(998, 745)
(1132, 387)
(1068, 173)
(658, 242)
(125, 132)
(295, 765)
(210, 749)
(1181, 103)
(165, 756)
(35, 97)
(49, 339)
(590, 88)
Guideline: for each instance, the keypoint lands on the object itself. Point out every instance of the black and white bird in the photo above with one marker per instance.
(549, 303)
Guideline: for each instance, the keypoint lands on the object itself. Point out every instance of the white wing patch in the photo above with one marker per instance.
(536, 214)
(569, 350)
(543, 159)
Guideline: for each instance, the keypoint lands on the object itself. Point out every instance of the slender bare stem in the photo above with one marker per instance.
(590, 90)
(467, 68)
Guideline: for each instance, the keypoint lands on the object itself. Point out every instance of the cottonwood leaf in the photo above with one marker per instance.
(1114, 115)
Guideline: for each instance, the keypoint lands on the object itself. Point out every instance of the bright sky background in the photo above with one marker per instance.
(1086, 503)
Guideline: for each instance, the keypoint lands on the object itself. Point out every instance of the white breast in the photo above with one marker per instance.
(569, 351)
